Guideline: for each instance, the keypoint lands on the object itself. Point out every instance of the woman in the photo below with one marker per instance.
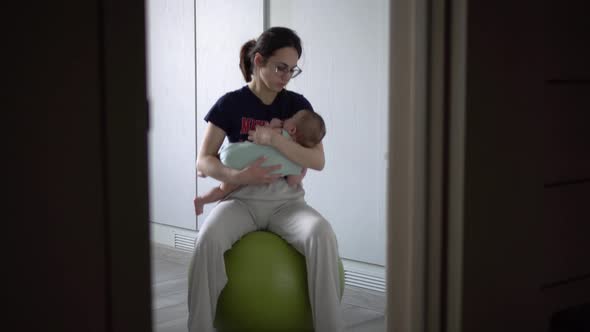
(266, 201)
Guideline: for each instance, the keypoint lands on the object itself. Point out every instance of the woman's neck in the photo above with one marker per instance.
(263, 93)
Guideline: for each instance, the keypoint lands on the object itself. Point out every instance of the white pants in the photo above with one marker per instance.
(292, 219)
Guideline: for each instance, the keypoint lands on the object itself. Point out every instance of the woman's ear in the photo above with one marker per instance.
(258, 59)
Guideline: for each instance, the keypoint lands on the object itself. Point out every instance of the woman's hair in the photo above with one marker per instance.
(311, 129)
(269, 41)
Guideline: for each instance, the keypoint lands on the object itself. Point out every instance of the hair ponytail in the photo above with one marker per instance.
(246, 59)
(269, 41)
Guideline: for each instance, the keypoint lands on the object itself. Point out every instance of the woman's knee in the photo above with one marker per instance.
(211, 236)
(223, 225)
(322, 230)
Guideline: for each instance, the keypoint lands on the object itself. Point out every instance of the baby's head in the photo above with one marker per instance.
(306, 127)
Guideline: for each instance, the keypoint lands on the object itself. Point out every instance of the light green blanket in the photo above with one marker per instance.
(240, 155)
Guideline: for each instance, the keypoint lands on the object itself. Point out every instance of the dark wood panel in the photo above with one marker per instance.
(564, 233)
(65, 280)
(567, 39)
(563, 297)
(503, 174)
(126, 126)
(76, 239)
(71, 263)
(566, 136)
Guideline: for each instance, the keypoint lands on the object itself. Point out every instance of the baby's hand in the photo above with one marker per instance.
(262, 135)
(276, 123)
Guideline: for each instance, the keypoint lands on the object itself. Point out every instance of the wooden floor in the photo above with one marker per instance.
(362, 309)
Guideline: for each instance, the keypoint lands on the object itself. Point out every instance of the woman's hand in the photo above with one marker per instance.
(255, 173)
(262, 135)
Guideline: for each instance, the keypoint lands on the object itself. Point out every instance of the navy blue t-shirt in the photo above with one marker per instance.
(241, 110)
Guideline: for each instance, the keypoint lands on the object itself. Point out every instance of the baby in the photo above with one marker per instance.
(305, 127)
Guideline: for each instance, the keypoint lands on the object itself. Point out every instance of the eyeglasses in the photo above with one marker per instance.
(283, 69)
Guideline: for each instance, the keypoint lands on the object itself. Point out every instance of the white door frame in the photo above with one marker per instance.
(406, 174)
(427, 42)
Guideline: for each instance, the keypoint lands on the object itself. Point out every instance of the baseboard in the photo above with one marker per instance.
(356, 274)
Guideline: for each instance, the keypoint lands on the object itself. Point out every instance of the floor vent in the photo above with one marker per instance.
(363, 280)
(184, 243)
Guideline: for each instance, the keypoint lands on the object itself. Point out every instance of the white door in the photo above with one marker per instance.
(345, 77)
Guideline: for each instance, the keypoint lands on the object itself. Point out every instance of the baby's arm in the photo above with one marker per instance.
(213, 195)
(294, 180)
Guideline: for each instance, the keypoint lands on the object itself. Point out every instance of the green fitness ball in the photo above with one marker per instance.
(266, 288)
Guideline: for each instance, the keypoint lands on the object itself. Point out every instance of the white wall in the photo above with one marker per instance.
(176, 129)
(345, 77)
(171, 91)
(223, 26)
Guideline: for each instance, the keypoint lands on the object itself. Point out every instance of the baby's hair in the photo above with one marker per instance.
(311, 129)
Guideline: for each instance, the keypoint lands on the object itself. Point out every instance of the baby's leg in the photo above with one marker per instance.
(214, 195)
(294, 180)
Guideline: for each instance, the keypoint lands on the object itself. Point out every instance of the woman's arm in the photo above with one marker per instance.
(209, 165)
(305, 157)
